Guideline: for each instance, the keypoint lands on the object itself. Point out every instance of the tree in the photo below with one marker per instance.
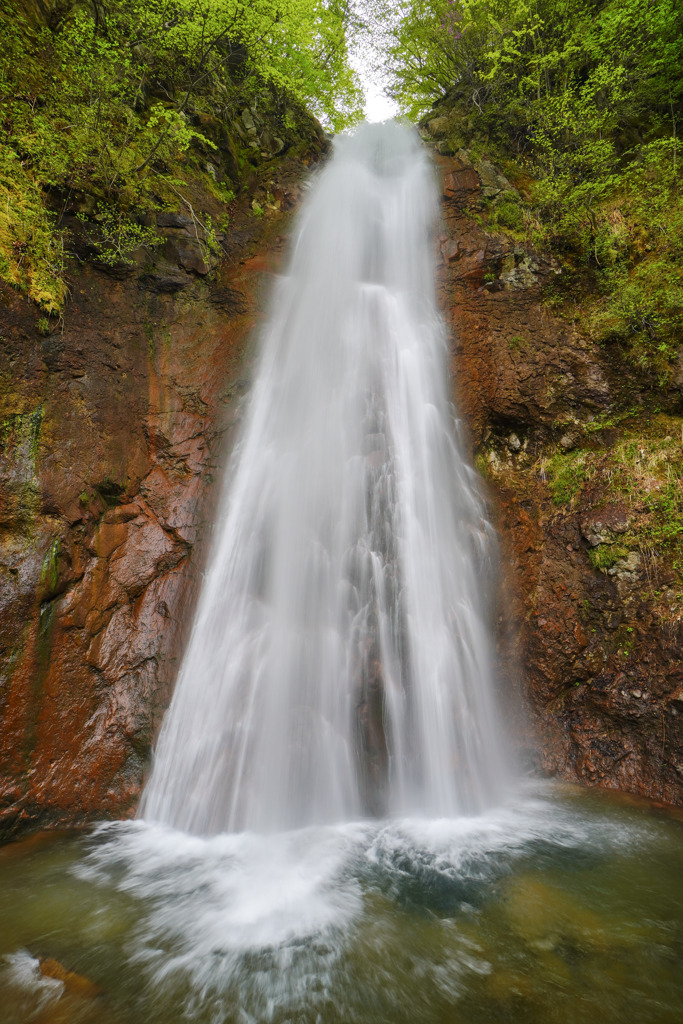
(102, 97)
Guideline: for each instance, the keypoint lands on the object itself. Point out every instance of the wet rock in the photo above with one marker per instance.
(492, 181)
(165, 278)
(147, 552)
(112, 434)
(272, 144)
(523, 274)
(603, 527)
(626, 569)
(461, 185)
(73, 983)
(170, 219)
(229, 300)
(192, 257)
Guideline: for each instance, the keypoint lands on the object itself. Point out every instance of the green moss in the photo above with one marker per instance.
(666, 506)
(482, 464)
(35, 425)
(224, 195)
(643, 474)
(609, 420)
(49, 572)
(508, 213)
(605, 556)
(623, 276)
(31, 248)
(19, 443)
(566, 473)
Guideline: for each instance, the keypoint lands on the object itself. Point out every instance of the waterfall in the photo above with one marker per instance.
(340, 661)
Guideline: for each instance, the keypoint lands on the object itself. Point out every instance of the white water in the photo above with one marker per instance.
(340, 662)
(374, 921)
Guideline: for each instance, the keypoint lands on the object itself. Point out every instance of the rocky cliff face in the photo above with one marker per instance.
(584, 465)
(111, 427)
(110, 437)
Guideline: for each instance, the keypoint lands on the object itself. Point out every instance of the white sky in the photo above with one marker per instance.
(378, 107)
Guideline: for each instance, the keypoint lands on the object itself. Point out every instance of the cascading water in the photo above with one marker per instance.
(339, 666)
(339, 663)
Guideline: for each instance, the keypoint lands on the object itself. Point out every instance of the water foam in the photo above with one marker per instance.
(267, 920)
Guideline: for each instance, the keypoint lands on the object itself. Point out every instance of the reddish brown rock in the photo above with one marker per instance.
(598, 683)
(111, 431)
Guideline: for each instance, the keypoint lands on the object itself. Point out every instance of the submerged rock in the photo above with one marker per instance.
(74, 984)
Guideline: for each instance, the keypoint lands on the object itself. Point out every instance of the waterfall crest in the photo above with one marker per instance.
(340, 660)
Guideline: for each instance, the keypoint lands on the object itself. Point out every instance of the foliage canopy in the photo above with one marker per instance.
(585, 97)
(103, 96)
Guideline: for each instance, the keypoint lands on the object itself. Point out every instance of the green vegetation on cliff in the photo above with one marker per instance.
(642, 471)
(110, 100)
(582, 103)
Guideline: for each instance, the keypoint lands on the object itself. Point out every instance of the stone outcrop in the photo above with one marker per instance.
(592, 627)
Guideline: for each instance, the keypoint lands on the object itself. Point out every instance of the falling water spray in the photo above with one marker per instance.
(340, 660)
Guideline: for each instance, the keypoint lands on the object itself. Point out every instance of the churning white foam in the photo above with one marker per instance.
(266, 919)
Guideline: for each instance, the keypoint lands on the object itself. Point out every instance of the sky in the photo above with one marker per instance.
(378, 107)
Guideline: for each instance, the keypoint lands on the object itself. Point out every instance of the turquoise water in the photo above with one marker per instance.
(563, 906)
